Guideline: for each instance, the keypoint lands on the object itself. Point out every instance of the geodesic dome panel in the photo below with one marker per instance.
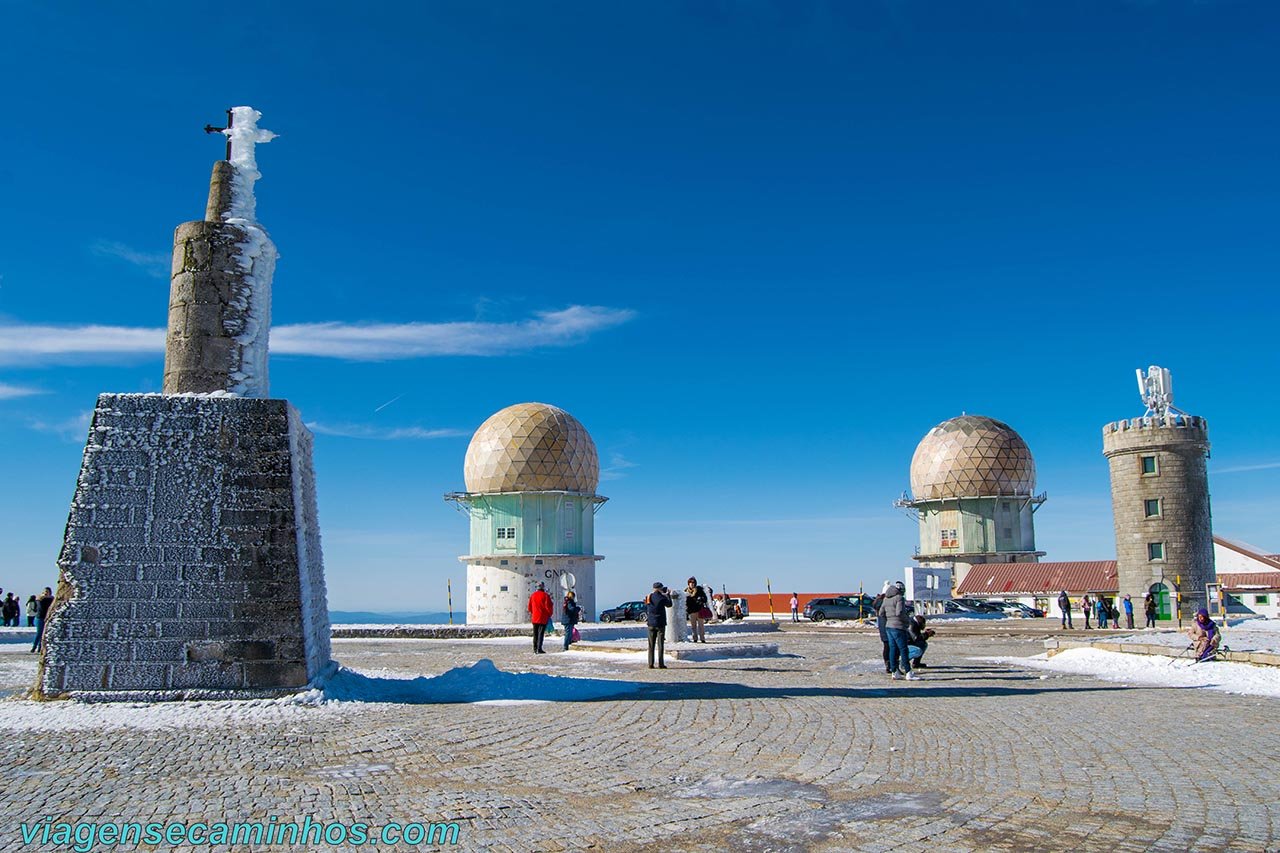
(971, 456)
(532, 447)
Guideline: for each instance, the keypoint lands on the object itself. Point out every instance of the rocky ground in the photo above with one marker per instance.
(815, 749)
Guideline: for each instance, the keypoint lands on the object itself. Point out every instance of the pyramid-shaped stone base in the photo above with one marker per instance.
(191, 566)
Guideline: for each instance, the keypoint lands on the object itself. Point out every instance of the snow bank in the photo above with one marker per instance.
(480, 682)
(1157, 670)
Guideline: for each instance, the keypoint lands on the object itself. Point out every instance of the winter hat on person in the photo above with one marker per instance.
(657, 584)
(888, 585)
(900, 585)
(542, 586)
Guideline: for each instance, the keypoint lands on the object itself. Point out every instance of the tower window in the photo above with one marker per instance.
(502, 588)
(1149, 466)
(477, 589)
(1261, 599)
(537, 562)
(1151, 507)
(949, 539)
(1155, 551)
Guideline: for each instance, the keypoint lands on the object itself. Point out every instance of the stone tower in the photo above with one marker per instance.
(191, 564)
(531, 472)
(1160, 500)
(973, 483)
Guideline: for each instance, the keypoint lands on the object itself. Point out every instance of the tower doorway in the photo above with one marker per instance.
(1160, 593)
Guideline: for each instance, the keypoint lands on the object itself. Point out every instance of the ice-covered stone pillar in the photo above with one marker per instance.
(191, 565)
(677, 619)
(220, 289)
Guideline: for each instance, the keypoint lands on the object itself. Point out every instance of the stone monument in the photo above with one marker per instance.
(1160, 500)
(191, 565)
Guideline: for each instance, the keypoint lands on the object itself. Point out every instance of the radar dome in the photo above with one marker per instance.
(531, 447)
(971, 456)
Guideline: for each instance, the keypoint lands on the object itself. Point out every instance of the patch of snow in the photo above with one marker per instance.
(1158, 670)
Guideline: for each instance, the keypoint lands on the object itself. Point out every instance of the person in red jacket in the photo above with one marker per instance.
(540, 607)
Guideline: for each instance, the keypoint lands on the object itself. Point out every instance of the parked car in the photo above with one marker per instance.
(630, 611)
(839, 607)
(957, 605)
(1017, 608)
(977, 605)
(737, 605)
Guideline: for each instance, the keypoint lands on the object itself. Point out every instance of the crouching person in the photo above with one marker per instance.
(1205, 636)
(917, 640)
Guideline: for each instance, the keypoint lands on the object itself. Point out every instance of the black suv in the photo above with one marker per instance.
(631, 611)
(840, 607)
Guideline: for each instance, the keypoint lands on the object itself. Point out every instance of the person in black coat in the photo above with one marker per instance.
(884, 638)
(655, 607)
(572, 615)
(917, 639)
(1064, 605)
(695, 602)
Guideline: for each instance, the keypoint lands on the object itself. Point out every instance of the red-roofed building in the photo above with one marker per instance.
(1251, 578)
(1038, 584)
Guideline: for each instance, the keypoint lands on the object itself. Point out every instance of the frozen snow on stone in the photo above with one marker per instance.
(257, 256)
(1157, 670)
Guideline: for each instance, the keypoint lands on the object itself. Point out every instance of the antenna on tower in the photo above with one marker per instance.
(1156, 390)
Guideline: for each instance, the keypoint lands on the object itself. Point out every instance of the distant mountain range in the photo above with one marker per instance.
(360, 617)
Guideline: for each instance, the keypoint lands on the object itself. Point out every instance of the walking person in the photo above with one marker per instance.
(1086, 607)
(11, 609)
(1064, 605)
(540, 608)
(795, 608)
(572, 615)
(655, 606)
(1128, 612)
(42, 614)
(33, 607)
(895, 626)
(1149, 607)
(695, 607)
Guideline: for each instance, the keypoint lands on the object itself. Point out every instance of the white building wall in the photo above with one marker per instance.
(498, 594)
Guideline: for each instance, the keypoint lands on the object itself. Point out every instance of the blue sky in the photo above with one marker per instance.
(758, 249)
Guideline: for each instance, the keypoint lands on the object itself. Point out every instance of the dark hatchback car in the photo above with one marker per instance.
(631, 611)
(840, 607)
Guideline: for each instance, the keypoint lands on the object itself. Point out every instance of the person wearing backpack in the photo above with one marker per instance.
(572, 615)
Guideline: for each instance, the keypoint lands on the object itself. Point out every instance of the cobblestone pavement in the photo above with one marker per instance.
(813, 750)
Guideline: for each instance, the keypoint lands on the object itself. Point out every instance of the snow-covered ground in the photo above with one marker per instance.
(1156, 670)
(1241, 635)
(480, 683)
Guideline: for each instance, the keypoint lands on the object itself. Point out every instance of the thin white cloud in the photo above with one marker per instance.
(72, 429)
(1236, 469)
(31, 345)
(37, 345)
(388, 341)
(617, 467)
(9, 392)
(155, 264)
(382, 433)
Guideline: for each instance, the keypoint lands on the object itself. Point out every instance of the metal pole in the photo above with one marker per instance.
(1177, 586)
(450, 584)
(769, 589)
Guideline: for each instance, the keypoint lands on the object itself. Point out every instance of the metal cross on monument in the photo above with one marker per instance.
(242, 135)
(208, 128)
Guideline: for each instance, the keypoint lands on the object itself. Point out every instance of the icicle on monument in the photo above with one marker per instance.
(191, 566)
